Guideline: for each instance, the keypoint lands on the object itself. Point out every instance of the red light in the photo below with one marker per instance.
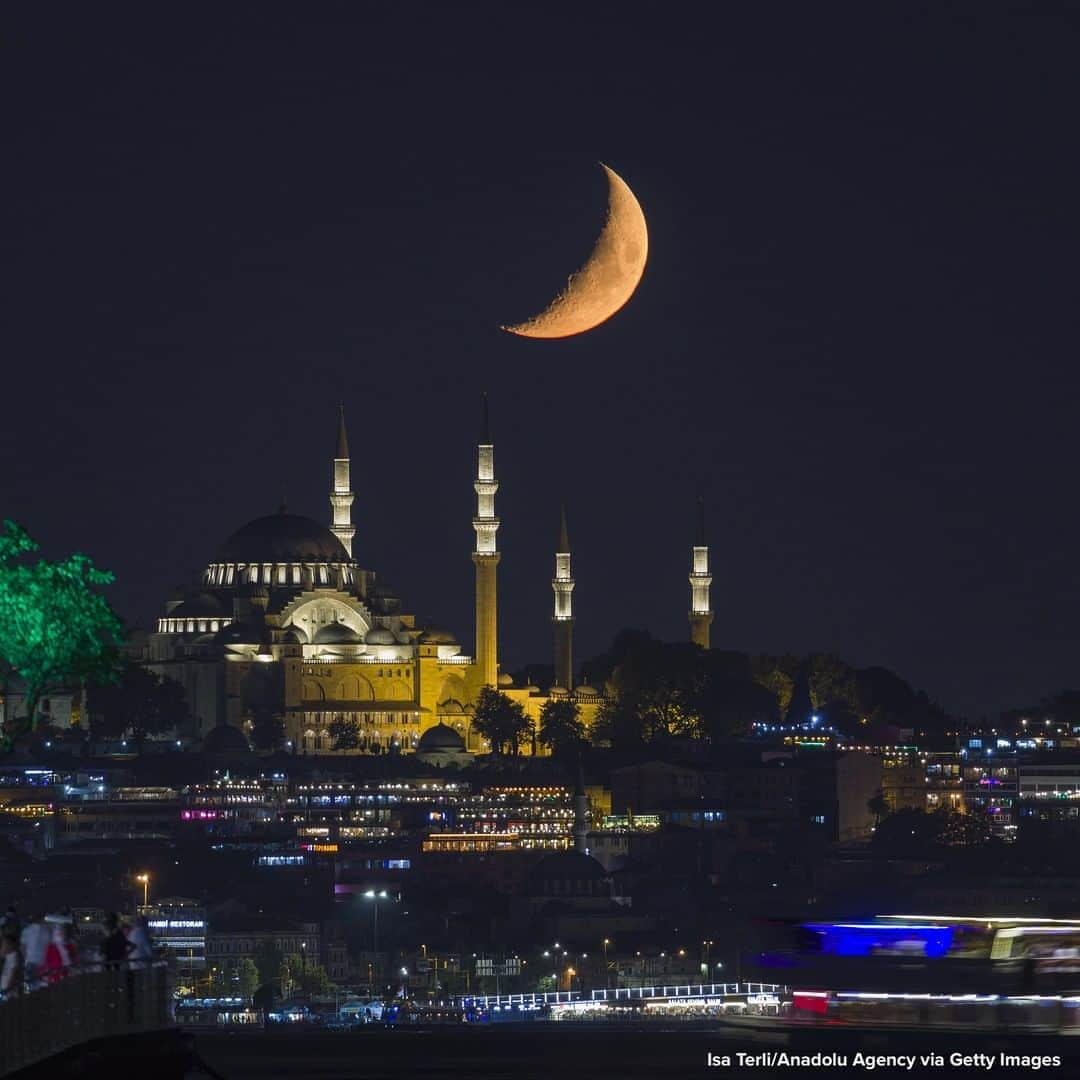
(815, 1003)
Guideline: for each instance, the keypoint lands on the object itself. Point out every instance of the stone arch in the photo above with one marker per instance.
(313, 691)
(398, 690)
(453, 689)
(355, 688)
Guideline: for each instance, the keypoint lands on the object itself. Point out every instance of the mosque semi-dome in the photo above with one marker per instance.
(506, 679)
(379, 635)
(440, 737)
(336, 634)
(283, 537)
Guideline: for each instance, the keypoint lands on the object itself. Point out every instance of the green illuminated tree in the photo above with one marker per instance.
(345, 732)
(56, 627)
(561, 729)
(501, 721)
(138, 701)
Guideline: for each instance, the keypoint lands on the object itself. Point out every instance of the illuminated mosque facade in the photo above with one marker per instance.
(286, 620)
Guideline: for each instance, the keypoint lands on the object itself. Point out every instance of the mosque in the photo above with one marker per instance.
(286, 620)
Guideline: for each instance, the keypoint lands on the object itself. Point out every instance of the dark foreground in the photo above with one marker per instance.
(565, 1051)
(543, 1051)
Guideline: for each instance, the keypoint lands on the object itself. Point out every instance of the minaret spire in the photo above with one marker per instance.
(486, 555)
(581, 812)
(341, 495)
(562, 618)
(701, 615)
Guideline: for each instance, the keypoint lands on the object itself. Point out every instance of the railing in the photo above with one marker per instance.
(628, 993)
(86, 1005)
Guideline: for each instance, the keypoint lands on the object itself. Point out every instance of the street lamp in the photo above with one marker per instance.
(375, 897)
(144, 881)
(708, 956)
(607, 978)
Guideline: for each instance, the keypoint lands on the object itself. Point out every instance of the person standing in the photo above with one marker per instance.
(35, 942)
(142, 948)
(11, 976)
(115, 947)
(61, 956)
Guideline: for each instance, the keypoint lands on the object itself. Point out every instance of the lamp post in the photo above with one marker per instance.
(708, 957)
(375, 897)
(144, 880)
(607, 978)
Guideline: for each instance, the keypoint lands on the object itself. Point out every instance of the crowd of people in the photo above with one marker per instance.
(46, 948)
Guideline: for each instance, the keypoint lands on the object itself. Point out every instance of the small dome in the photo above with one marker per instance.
(295, 635)
(336, 634)
(379, 635)
(436, 635)
(242, 633)
(558, 691)
(587, 691)
(440, 737)
(567, 874)
(283, 538)
(202, 605)
(225, 739)
(506, 679)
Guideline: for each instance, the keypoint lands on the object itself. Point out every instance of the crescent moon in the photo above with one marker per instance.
(607, 280)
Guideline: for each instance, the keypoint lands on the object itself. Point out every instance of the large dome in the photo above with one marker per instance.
(283, 537)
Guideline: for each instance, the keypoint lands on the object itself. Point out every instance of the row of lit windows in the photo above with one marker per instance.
(191, 626)
(277, 573)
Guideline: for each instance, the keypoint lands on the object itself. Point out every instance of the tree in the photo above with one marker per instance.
(345, 732)
(561, 729)
(801, 706)
(501, 721)
(55, 626)
(247, 976)
(268, 962)
(878, 805)
(309, 976)
(138, 701)
(267, 728)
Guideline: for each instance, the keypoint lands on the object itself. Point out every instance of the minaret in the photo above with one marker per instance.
(341, 496)
(486, 556)
(581, 812)
(701, 615)
(562, 617)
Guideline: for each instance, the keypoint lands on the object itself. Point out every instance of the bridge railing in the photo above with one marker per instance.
(629, 993)
(87, 1004)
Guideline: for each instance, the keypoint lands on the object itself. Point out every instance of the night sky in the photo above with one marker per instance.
(857, 332)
